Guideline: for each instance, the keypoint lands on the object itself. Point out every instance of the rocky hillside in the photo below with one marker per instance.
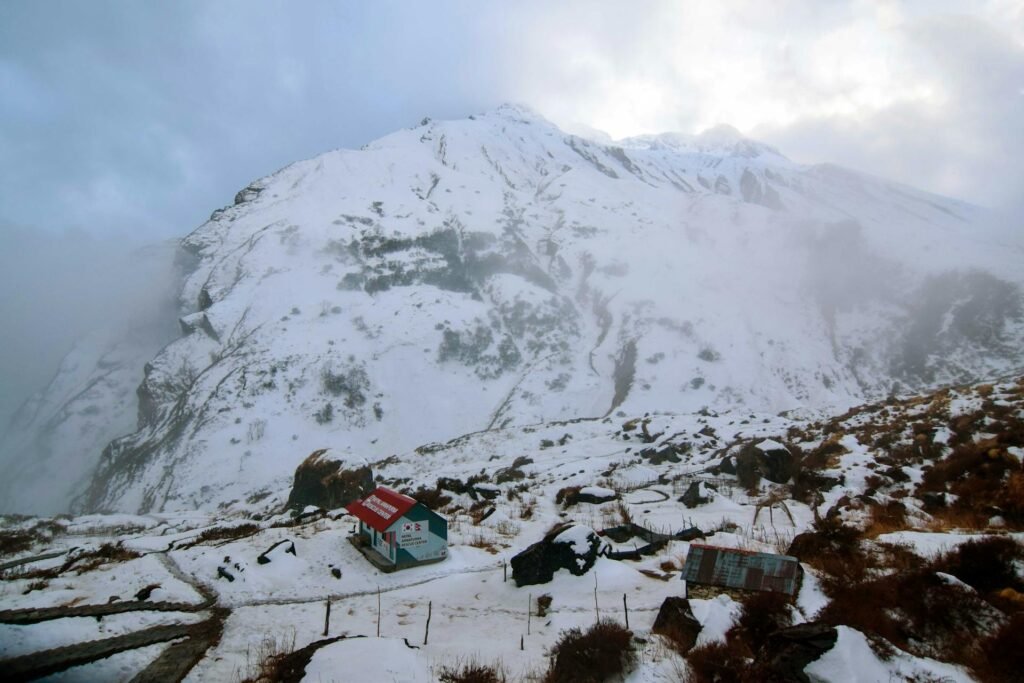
(906, 516)
(469, 275)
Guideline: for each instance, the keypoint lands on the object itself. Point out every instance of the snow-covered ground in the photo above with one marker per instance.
(477, 612)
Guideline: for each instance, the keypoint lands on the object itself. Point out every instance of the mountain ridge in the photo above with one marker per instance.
(464, 275)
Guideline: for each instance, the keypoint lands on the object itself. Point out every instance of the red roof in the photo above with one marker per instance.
(381, 509)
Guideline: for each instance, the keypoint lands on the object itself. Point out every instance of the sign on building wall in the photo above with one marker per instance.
(412, 534)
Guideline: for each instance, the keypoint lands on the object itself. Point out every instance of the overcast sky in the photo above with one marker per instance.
(137, 119)
(142, 117)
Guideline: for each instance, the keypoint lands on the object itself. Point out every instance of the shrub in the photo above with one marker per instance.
(917, 611)
(763, 614)
(227, 533)
(592, 656)
(470, 671)
(721, 662)
(1002, 656)
(16, 541)
(748, 475)
(434, 498)
(567, 496)
(986, 564)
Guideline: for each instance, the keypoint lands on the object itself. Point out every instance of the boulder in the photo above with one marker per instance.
(676, 622)
(696, 494)
(789, 650)
(596, 495)
(572, 546)
(767, 458)
(775, 461)
(727, 466)
(485, 491)
(327, 481)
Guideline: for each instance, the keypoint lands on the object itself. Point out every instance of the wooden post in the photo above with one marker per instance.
(327, 618)
(521, 642)
(597, 610)
(378, 611)
(529, 611)
(426, 633)
(625, 608)
(504, 571)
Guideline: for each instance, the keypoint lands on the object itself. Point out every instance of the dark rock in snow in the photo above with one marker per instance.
(676, 622)
(147, 591)
(789, 650)
(696, 494)
(595, 495)
(264, 557)
(225, 574)
(774, 461)
(668, 453)
(322, 480)
(933, 500)
(452, 484)
(485, 491)
(572, 546)
(727, 466)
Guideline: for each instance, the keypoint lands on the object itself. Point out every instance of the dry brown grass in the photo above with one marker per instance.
(16, 541)
(886, 518)
(471, 671)
(225, 533)
(956, 518)
(722, 662)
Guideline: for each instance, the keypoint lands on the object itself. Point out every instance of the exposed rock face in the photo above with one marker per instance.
(676, 622)
(322, 480)
(789, 650)
(572, 547)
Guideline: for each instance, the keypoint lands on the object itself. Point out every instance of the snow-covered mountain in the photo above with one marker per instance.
(467, 275)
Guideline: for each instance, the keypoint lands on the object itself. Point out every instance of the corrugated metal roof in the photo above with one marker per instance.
(381, 508)
(743, 569)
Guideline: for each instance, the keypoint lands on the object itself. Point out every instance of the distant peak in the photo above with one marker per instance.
(516, 111)
(717, 139)
(721, 134)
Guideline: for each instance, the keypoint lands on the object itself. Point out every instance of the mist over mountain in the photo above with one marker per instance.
(83, 317)
(470, 275)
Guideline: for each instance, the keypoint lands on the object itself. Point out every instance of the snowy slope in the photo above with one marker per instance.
(212, 567)
(494, 271)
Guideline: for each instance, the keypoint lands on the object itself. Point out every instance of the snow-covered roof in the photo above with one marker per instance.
(382, 508)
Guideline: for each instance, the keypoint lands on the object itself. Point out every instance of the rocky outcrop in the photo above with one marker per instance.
(323, 480)
(573, 547)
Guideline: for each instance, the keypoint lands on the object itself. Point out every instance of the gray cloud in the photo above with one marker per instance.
(59, 287)
(143, 118)
(967, 142)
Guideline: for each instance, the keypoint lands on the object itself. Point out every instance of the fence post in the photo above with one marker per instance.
(625, 608)
(378, 611)
(426, 633)
(327, 617)
(529, 612)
